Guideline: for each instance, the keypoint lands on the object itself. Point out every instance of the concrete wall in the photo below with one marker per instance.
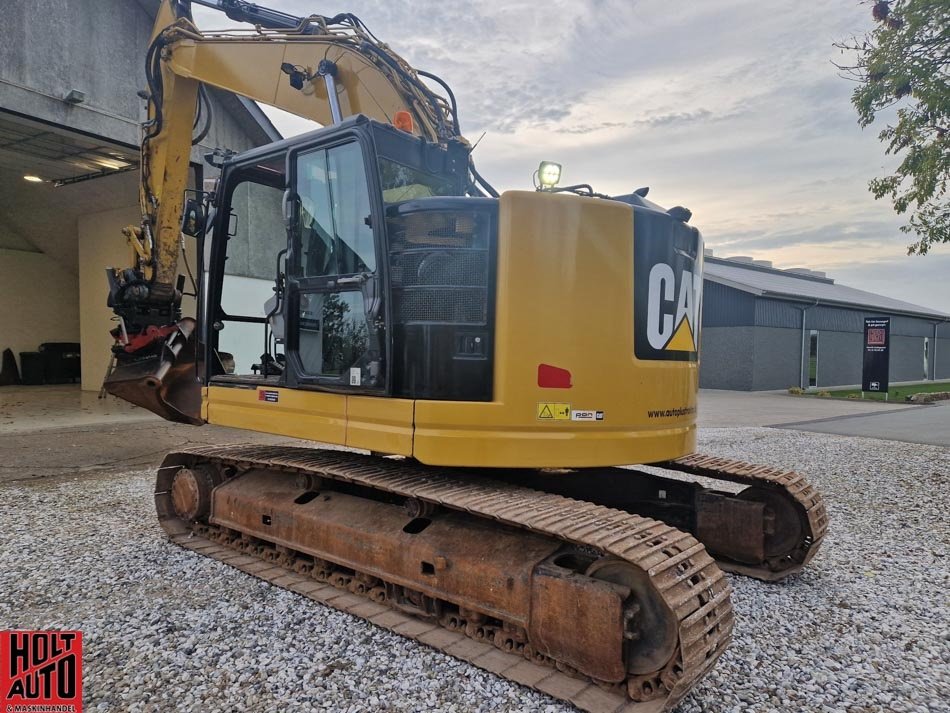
(777, 358)
(50, 47)
(101, 246)
(726, 358)
(38, 301)
(840, 358)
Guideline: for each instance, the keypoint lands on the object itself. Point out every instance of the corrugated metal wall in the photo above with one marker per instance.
(778, 313)
(727, 307)
(776, 360)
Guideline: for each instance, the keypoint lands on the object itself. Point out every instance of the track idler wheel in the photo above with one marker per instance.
(651, 632)
(184, 493)
(783, 524)
(191, 493)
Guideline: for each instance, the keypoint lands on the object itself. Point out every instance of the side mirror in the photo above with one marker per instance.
(193, 219)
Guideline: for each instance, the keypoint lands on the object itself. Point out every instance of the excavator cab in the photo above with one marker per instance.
(351, 256)
(408, 317)
(308, 256)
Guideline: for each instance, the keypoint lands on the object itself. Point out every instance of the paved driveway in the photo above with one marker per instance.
(870, 419)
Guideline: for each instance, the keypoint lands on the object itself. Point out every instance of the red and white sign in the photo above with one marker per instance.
(40, 671)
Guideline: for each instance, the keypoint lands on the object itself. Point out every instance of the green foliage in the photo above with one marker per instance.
(344, 336)
(903, 65)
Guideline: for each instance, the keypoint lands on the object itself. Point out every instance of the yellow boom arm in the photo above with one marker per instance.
(321, 68)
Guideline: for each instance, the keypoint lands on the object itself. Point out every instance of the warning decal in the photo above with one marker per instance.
(549, 411)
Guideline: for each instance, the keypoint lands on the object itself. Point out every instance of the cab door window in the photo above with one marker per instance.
(339, 318)
(334, 334)
(335, 233)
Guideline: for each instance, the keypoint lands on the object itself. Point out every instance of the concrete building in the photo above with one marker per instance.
(69, 116)
(765, 328)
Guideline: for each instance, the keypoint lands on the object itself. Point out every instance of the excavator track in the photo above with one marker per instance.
(663, 577)
(788, 486)
(771, 528)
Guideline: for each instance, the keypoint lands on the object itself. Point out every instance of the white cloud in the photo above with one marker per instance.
(730, 107)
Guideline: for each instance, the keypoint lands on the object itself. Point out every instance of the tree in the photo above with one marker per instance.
(903, 69)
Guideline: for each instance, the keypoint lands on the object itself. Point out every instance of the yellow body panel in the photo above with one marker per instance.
(564, 299)
(379, 424)
(368, 422)
(312, 415)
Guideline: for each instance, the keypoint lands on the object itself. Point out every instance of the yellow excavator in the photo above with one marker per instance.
(486, 371)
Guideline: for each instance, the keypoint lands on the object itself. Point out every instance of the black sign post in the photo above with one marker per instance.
(877, 356)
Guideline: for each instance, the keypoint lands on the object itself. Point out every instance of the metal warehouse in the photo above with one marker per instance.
(765, 328)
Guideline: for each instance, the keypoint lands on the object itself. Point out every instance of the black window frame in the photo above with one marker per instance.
(213, 289)
(296, 375)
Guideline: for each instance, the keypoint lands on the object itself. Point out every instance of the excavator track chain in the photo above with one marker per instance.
(805, 526)
(663, 577)
(769, 528)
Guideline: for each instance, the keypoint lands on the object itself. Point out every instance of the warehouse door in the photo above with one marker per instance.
(926, 358)
(813, 358)
(64, 197)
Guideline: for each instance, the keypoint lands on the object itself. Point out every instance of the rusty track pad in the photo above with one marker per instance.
(730, 527)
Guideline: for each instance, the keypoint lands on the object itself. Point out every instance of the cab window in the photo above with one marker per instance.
(335, 234)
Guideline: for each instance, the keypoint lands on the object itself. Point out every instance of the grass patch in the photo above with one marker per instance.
(895, 393)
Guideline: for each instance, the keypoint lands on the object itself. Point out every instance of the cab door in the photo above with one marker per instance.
(336, 336)
(337, 315)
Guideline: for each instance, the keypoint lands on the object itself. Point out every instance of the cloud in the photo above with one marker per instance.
(730, 107)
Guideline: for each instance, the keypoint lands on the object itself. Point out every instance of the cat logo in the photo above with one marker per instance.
(667, 288)
(673, 309)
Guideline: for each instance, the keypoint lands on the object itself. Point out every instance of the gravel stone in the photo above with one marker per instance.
(862, 630)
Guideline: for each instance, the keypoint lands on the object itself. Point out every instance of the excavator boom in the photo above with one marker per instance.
(319, 68)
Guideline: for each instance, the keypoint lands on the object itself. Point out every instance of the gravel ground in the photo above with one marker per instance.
(863, 629)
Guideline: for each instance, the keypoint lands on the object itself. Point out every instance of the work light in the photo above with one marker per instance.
(549, 173)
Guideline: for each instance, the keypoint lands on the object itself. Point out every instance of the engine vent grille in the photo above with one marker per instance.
(439, 267)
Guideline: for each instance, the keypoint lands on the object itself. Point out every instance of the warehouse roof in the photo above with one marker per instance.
(760, 278)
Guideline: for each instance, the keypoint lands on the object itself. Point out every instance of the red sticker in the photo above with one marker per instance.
(40, 671)
(553, 377)
(268, 395)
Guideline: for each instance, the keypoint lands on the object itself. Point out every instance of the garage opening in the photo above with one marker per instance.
(64, 198)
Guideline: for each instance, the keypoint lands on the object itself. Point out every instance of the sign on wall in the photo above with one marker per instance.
(877, 358)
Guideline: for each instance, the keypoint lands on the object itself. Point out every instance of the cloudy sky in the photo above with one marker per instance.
(729, 107)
